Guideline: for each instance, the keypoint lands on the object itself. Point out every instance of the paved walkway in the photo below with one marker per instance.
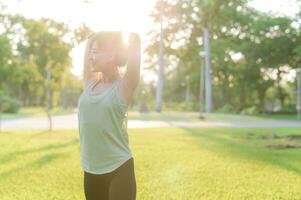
(71, 122)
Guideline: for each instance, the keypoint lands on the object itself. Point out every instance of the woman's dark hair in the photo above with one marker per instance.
(113, 41)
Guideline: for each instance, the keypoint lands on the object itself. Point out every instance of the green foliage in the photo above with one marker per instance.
(252, 110)
(180, 106)
(5, 57)
(9, 105)
(71, 89)
(40, 47)
(248, 48)
(227, 108)
(82, 33)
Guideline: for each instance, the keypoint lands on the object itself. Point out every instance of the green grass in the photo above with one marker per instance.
(34, 112)
(194, 116)
(153, 115)
(170, 163)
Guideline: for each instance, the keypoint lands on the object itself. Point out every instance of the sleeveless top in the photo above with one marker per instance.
(102, 118)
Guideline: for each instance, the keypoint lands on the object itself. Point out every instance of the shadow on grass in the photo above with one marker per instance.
(12, 156)
(46, 159)
(246, 149)
(38, 134)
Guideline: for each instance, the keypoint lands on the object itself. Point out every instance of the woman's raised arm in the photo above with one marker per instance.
(89, 76)
(132, 75)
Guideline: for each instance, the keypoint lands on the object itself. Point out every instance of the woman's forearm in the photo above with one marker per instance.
(88, 74)
(87, 66)
(134, 57)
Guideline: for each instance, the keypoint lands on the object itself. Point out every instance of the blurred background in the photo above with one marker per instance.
(249, 65)
(216, 115)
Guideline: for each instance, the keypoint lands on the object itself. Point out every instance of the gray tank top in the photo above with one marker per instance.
(102, 118)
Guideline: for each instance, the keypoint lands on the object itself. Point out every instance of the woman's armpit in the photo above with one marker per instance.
(120, 97)
(88, 83)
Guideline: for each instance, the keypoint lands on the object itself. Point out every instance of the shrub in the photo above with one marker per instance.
(9, 105)
(181, 106)
(253, 110)
(227, 108)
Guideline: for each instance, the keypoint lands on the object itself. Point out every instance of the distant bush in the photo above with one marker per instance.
(9, 105)
(181, 106)
(173, 106)
(290, 108)
(143, 107)
(227, 108)
(253, 110)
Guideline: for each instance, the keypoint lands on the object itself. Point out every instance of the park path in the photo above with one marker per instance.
(70, 121)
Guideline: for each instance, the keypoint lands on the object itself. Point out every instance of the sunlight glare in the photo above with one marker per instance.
(125, 36)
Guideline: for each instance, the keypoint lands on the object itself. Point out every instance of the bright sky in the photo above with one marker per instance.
(126, 15)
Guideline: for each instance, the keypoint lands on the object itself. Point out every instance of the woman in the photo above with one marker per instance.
(104, 146)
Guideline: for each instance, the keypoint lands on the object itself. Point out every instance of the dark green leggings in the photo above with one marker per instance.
(117, 185)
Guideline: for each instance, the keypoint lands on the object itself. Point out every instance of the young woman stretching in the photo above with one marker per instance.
(105, 155)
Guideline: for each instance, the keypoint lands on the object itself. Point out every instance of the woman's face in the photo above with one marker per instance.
(100, 60)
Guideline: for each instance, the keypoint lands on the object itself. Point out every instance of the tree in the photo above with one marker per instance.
(246, 45)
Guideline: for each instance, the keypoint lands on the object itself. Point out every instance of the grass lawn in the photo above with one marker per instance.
(34, 112)
(170, 163)
(194, 116)
(153, 115)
